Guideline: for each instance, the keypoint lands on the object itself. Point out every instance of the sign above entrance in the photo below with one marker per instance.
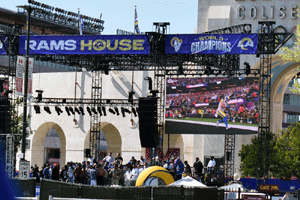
(211, 44)
(85, 44)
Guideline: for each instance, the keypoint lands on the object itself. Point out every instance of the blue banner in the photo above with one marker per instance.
(211, 44)
(2, 49)
(85, 44)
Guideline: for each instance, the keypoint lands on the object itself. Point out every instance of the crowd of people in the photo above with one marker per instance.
(113, 171)
(203, 104)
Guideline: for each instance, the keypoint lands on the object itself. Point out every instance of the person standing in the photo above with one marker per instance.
(46, 172)
(187, 168)
(127, 175)
(211, 165)
(108, 160)
(179, 166)
(198, 167)
(223, 105)
(100, 175)
(70, 172)
(134, 175)
(119, 160)
(55, 172)
(92, 175)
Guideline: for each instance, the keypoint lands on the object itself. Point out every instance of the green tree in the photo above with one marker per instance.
(288, 153)
(249, 156)
(293, 54)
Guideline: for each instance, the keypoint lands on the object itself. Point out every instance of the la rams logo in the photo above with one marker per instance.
(245, 43)
(1, 45)
(176, 43)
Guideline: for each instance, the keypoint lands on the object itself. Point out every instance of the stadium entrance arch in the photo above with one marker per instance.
(113, 139)
(283, 71)
(38, 155)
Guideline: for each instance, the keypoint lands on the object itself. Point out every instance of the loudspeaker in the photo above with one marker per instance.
(148, 121)
(87, 152)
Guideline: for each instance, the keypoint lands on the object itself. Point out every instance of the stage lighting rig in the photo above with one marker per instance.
(94, 111)
(40, 95)
(99, 110)
(58, 110)
(37, 109)
(67, 110)
(125, 110)
(104, 110)
(247, 68)
(47, 109)
(149, 79)
(71, 110)
(180, 69)
(130, 96)
(77, 110)
(134, 112)
(208, 71)
(89, 110)
(81, 110)
(117, 111)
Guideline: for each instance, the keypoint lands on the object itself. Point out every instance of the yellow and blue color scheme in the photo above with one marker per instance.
(154, 171)
(85, 44)
(211, 44)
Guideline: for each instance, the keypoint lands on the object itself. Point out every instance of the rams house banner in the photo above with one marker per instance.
(211, 44)
(85, 44)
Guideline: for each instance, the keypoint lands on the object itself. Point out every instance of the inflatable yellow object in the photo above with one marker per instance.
(154, 171)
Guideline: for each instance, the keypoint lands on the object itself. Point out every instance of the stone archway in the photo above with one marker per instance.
(37, 149)
(113, 137)
(282, 73)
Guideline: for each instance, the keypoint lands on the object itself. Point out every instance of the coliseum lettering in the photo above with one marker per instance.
(125, 45)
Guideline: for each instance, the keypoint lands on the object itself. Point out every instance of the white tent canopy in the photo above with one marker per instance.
(188, 181)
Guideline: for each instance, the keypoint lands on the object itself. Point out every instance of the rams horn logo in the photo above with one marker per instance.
(176, 43)
(1, 45)
(246, 42)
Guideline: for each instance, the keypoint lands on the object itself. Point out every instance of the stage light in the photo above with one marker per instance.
(134, 112)
(89, 110)
(71, 110)
(58, 110)
(99, 111)
(77, 110)
(247, 68)
(94, 111)
(81, 110)
(67, 110)
(111, 111)
(207, 71)
(47, 109)
(117, 111)
(104, 110)
(40, 95)
(149, 79)
(125, 110)
(37, 109)
(130, 96)
(180, 69)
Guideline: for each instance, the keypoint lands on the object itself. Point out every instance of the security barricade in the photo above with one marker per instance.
(137, 193)
(57, 189)
(24, 187)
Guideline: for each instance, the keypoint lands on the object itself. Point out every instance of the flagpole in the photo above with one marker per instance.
(134, 19)
(78, 22)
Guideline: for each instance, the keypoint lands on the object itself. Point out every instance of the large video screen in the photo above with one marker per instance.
(200, 105)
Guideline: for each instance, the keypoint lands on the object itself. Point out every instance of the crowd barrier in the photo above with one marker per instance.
(23, 187)
(56, 189)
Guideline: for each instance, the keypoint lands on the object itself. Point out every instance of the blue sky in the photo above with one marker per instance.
(119, 14)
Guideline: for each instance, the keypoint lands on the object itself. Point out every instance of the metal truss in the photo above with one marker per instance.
(79, 101)
(164, 65)
(95, 119)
